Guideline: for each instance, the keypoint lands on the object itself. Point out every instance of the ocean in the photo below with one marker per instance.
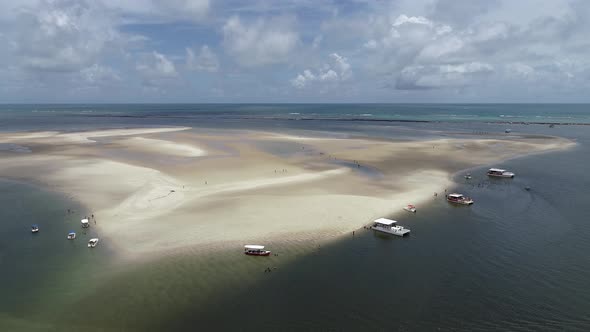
(516, 260)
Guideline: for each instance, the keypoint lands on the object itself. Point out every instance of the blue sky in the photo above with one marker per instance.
(294, 51)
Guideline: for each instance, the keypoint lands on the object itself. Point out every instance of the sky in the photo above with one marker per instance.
(295, 51)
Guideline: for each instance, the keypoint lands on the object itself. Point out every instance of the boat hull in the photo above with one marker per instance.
(460, 202)
(501, 175)
(402, 233)
(267, 253)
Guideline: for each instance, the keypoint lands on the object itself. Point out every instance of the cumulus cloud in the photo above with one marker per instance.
(156, 69)
(337, 70)
(206, 60)
(99, 75)
(62, 35)
(462, 11)
(437, 76)
(423, 45)
(260, 42)
(160, 10)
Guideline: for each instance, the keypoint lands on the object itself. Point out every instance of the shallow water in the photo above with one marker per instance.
(515, 260)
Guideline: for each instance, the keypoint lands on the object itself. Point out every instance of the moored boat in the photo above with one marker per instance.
(255, 250)
(388, 226)
(93, 243)
(410, 208)
(459, 199)
(34, 228)
(71, 235)
(501, 173)
(84, 222)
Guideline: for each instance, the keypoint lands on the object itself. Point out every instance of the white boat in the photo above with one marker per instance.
(501, 173)
(388, 226)
(410, 208)
(35, 228)
(459, 199)
(255, 250)
(71, 235)
(85, 223)
(93, 242)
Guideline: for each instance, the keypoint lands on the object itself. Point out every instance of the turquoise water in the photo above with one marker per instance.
(516, 260)
(79, 116)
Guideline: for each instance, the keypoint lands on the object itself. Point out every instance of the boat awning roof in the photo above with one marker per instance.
(497, 170)
(384, 221)
(253, 246)
(84, 221)
(456, 195)
(93, 240)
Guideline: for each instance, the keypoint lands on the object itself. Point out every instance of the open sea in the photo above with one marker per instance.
(517, 260)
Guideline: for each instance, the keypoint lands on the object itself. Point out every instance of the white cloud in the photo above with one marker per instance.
(160, 10)
(62, 35)
(261, 42)
(99, 75)
(404, 19)
(206, 60)
(336, 71)
(486, 47)
(156, 69)
(439, 76)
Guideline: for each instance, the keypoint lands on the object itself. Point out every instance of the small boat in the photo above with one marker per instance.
(388, 226)
(459, 199)
(500, 173)
(468, 176)
(508, 131)
(410, 208)
(34, 228)
(85, 223)
(71, 235)
(93, 242)
(255, 250)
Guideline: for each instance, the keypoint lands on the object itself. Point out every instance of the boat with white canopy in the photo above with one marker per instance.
(71, 235)
(255, 250)
(85, 223)
(459, 199)
(389, 226)
(500, 173)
